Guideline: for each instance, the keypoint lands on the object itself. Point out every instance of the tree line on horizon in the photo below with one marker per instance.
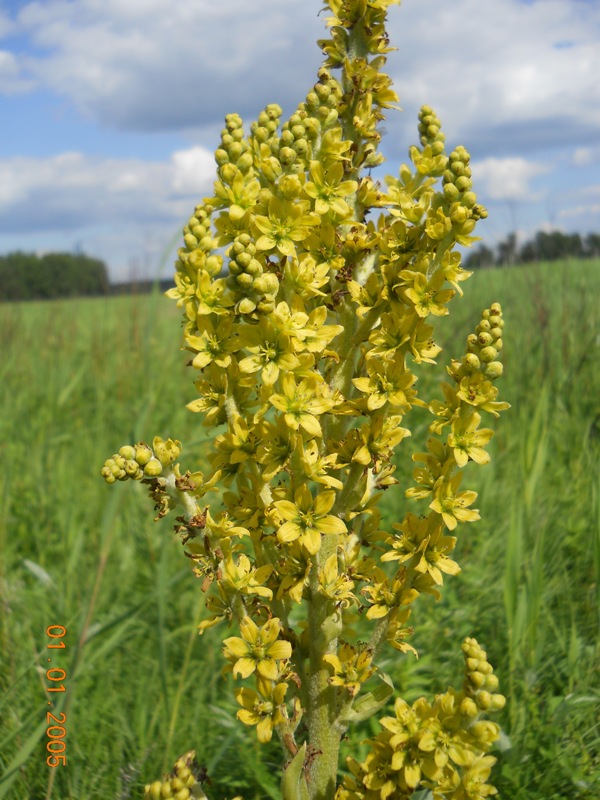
(27, 276)
(545, 246)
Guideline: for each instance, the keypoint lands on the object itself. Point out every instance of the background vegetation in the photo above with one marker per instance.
(27, 276)
(80, 378)
(544, 246)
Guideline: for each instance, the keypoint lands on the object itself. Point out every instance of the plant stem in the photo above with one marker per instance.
(324, 623)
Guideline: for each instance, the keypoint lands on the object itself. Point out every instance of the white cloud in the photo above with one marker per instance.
(73, 190)
(120, 208)
(499, 72)
(506, 178)
(167, 64)
(581, 211)
(586, 156)
(11, 79)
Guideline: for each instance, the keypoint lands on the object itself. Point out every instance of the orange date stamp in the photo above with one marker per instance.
(56, 731)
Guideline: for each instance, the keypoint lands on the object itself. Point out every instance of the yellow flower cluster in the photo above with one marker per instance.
(441, 746)
(309, 292)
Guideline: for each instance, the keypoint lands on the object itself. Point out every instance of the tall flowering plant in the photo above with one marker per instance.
(309, 291)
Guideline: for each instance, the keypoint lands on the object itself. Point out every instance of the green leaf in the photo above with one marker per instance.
(371, 702)
(293, 784)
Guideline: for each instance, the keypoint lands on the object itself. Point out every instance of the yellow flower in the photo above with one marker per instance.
(453, 505)
(271, 351)
(263, 710)
(286, 224)
(259, 649)
(213, 342)
(300, 403)
(351, 667)
(328, 189)
(388, 382)
(307, 519)
(428, 296)
(466, 441)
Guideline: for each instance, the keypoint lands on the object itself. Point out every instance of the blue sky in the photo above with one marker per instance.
(110, 109)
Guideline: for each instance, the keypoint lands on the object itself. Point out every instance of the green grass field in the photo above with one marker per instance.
(81, 378)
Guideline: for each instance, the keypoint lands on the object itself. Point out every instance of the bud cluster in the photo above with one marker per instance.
(247, 275)
(140, 461)
(458, 190)
(480, 682)
(182, 784)
(483, 348)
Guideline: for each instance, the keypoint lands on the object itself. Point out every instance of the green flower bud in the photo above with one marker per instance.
(153, 468)
(469, 708)
(221, 156)
(496, 333)
(485, 338)
(243, 259)
(488, 354)
(323, 91)
(228, 172)
(494, 370)
(472, 664)
(131, 467)
(463, 183)
(469, 199)
(245, 306)
(107, 475)
(498, 702)
(483, 699)
(260, 285)
(471, 361)
(472, 342)
(451, 193)
(312, 100)
(460, 215)
(143, 454)
(245, 161)
(167, 450)
(301, 147)
(254, 268)
(266, 306)
(152, 791)
(190, 241)
(182, 794)
(498, 344)
(484, 325)
(245, 280)
(272, 283)
(491, 682)
(127, 451)
(477, 679)
(287, 156)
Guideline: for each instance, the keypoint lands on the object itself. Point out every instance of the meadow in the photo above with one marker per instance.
(79, 378)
